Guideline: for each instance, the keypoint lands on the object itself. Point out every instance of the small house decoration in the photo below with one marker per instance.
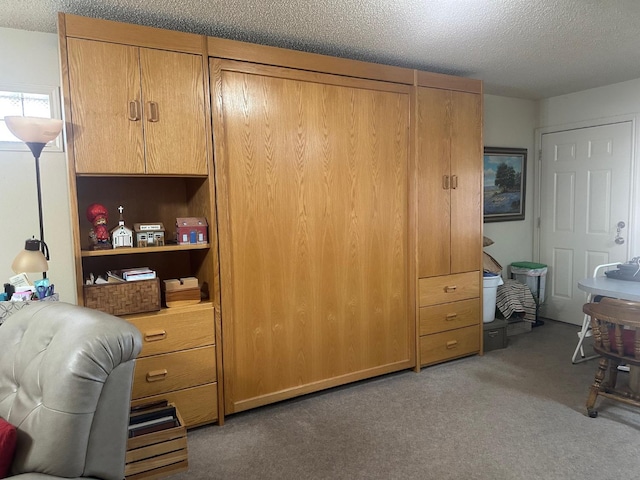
(191, 230)
(149, 234)
(121, 236)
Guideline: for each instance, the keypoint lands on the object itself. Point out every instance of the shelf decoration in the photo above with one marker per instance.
(121, 236)
(98, 215)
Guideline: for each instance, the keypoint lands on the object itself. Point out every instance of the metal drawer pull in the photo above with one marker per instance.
(451, 316)
(156, 375)
(153, 110)
(454, 181)
(445, 182)
(450, 288)
(155, 335)
(493, 333)
(134, 110)
(452, 344)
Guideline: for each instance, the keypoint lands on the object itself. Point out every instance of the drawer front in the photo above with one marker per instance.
(448, 288)
(174, 371)
(448, 316)
(170, 331)
(451, 344)
(197, 405)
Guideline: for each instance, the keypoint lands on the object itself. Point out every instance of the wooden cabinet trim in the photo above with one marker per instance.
(448, 82)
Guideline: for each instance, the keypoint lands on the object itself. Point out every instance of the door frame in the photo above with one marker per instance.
(633, 232)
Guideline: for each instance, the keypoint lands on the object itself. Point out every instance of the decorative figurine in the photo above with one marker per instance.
(121, 236)
(98, 235)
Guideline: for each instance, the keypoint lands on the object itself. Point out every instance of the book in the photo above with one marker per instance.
(152, 414)
(132, 274)
(155, 421)
(156, 427)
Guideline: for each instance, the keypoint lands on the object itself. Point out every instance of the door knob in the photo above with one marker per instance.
(619, 239)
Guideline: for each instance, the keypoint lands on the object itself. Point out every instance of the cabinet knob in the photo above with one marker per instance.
(154, 113)
(155, 335)
(445, 182)
(134, 110)
(450, 288)
(451, 316)
(156, 375)
(452, 344)
(454, 181)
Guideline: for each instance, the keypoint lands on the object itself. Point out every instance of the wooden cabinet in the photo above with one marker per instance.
(136, 110)
(139, 136)
(449, 223)
(313, 190)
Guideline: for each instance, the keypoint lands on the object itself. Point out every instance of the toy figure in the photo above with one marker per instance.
(99, 235)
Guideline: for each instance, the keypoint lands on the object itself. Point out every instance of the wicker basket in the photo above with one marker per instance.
(124, 298)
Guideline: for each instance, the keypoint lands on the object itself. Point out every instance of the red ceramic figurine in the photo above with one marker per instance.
(99, 235)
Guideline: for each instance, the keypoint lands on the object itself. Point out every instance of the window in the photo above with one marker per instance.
(31, 101)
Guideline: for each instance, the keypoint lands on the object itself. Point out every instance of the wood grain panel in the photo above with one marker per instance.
(174, 371)
(447, 316)
(434, 179)
(175, 329)
(466, 198)
(104, 78)
(314, 177)
(448, 82)
(448, 345)
(448, 288)
(176, 139)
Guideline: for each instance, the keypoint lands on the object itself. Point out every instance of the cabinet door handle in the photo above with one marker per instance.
(450, 288)
(445, 182)
(452, 344)
(154, 113)
(451, 316)
(155, 335)
(156, 375)
(134, 110)
(454, 181)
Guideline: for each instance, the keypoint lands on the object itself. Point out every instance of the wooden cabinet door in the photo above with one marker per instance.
(312, 182)
(106, 113)
(466, 184)
(449, 149)
(174, 112)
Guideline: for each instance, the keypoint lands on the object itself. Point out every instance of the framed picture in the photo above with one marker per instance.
(505, 171)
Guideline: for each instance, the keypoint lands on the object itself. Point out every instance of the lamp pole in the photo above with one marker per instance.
(36, 149)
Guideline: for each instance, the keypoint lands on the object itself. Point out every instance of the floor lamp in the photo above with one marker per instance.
(36, 133)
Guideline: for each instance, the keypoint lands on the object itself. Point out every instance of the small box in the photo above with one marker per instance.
(191, 230)
(181, 292)
(495, 334)
(149, 234)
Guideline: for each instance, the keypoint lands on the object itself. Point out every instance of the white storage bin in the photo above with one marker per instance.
(490, 285)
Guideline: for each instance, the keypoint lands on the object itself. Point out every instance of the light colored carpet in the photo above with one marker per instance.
(514, 413)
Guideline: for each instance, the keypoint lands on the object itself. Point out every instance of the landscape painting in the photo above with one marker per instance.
(504, 183)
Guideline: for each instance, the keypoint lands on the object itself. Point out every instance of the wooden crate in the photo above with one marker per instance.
(157, 454)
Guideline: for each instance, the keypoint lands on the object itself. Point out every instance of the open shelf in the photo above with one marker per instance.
(136, 250)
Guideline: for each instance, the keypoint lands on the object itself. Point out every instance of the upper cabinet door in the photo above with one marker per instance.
(174, 112)
(105, 107)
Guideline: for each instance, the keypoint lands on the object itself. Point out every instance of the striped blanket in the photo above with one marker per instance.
(515, 297)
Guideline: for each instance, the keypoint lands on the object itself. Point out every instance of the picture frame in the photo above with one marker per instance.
(505, 180)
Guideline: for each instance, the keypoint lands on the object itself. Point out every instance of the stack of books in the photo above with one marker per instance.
(151, 418)
(131, 274)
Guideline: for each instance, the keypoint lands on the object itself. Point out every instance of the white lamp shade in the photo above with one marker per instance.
(31, 259)
(34, 129)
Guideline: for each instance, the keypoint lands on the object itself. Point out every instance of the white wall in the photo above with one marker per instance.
(511, 122)
(601, 104)
(32, 58)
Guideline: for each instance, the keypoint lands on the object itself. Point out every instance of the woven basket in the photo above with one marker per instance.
(124, 298)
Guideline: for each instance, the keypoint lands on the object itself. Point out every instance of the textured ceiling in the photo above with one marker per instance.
(519, 48)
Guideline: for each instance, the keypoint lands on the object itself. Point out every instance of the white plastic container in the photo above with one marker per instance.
(490, 286)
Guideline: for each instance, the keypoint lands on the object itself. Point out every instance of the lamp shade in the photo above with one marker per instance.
(31, 259)
(34, 129)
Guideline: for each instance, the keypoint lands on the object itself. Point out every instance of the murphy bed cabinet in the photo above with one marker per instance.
(449, 193)
(139, 135)
(345, 222)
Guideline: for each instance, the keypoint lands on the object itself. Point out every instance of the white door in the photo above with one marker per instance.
(585, 188)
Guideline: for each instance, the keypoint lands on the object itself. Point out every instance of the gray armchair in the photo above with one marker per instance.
(65, 383)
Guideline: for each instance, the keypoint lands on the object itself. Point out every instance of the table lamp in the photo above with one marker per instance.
(36, 133)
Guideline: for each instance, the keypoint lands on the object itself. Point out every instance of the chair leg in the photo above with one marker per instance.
(613, 375)
(595, 387)
(582, 334)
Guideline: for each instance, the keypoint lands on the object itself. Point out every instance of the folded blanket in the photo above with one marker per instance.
(514, 297)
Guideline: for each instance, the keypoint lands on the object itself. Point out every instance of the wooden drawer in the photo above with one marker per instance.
(197, 405)
(174, 371)
(175, 329)
(448, 316)
(448, 288)
(448, 345)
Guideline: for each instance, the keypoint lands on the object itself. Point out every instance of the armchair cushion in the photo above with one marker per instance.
(7, 446)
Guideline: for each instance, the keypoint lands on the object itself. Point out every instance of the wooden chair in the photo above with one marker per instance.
(616, 331)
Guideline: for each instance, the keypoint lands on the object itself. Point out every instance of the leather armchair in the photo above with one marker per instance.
(65, 382)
